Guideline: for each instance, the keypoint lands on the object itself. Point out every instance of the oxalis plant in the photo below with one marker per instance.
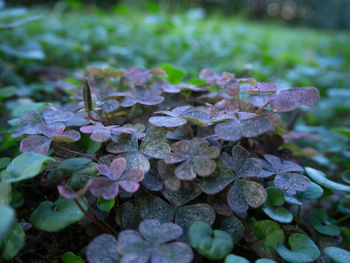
(167, 171)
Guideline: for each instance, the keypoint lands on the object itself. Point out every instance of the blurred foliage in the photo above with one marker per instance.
(331, 14)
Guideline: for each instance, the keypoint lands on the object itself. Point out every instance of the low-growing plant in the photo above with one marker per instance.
(159, 165)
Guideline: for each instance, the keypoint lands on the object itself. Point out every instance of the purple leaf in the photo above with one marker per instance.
(158, 233)
(110, 105)
(195, 155)
(152, 245)
(117, 167)
(29, 124)
(67, 136)
(208, 75)
(139, 76)
(241, 164)
(116, 176)
(168, 122)
(67, 192)
(292, 182)
(262, 87)
(103, 249)
(290, 99)
(36, 144)
(104, 187)
(142, 96)
(52, 115)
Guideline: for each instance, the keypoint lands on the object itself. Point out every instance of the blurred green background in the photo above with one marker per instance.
(46, 45)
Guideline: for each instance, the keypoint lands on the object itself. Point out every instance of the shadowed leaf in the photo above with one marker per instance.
(103, 249)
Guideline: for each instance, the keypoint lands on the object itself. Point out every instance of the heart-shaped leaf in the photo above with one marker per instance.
(55, 216)
(14, 243)
(188, 214)
(320, 178)
(103, 248)
(218, 180)
(214, 245)
(302, 249)
(73, 165)
(313, 192)
(241, 164)
(275, 198)
(235, 259)
(186, 193)
(167, 121)
(337, 255)
(195, 158)
(233, 226)
(154, 243)
(156, 208)
(70, 257)
(323, 224)
(235, 130)
(116, 177)
(270, 232)
(244, 194)
(25, 166)
(6, 220)
(290, 99)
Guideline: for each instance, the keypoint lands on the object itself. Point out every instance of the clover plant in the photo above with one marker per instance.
(150, 165)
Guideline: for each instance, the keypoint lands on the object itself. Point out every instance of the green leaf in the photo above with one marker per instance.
(5, 191)
(211, 244)
(15, 242)
(7, 92)
(70, 257)
(337, 255)
(4, 161)
(22, 109)
(275, 198)
(7, 218)
(323, 224)
(233, 226)
(55, 216)
(265, 260)
(25, 166)
(320, 178)
(235, 259)
(270, 232)
(303, 249)
(313, 192)
(175, 75)
(105, 205)
(73, 165)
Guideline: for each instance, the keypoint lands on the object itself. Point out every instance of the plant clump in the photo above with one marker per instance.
(156, 166)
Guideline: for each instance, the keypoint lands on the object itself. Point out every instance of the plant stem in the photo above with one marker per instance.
(92, 218)
(74, 152)
(342, 219)
(262, 108)
(96, 216)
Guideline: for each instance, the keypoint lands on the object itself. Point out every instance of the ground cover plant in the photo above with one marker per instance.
(153, 167)
(102, 160)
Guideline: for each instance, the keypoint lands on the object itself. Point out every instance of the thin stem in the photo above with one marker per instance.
(342, 219)
(262, 108)
(74, 152)
(96, 216)
(239, 98)
(92, 218)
